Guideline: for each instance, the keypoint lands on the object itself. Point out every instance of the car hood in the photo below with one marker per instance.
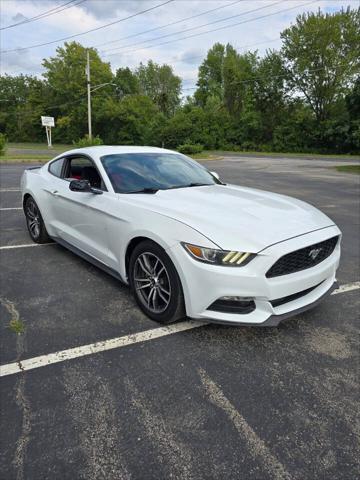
(237, 218)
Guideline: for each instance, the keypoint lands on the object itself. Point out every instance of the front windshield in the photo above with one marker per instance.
(134, 172)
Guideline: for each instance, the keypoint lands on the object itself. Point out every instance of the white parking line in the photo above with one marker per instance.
(258, 449)
(102, 346)
(10, 208)
(81, 351)
(27, 245)
(347, 288)
(9, 190)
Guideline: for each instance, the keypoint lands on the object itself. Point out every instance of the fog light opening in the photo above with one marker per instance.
(236, 299)
(233, 304)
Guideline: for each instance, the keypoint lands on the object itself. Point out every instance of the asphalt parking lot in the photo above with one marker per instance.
(211, 402)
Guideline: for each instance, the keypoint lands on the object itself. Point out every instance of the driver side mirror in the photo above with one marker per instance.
(83, 186)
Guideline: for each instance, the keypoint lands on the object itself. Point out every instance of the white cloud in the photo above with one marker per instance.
(191, 56)
(19, 17)
(107, 9)
(25, 62)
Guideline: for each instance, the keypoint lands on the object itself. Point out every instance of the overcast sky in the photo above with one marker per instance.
(184, 55)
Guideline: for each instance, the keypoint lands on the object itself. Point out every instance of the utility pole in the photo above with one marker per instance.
(88, 93)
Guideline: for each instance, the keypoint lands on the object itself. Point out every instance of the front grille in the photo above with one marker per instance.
(294, 296)
(304, 258)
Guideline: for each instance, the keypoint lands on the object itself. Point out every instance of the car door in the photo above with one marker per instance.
(53, 184)
(80, 217)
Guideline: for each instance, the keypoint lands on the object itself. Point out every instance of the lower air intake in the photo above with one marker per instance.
(230, 305)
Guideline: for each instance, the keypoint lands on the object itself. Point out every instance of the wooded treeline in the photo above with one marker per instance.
(303, 98)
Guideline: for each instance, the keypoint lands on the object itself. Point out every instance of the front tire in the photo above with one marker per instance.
(155, 283)
(35, 222)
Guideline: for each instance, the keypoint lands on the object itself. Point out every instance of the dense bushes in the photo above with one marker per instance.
(88, 142)
(2, 144)
(190, 148)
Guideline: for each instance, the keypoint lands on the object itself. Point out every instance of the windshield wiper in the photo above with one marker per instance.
(194, 184)
(154, 190)
(144, 190)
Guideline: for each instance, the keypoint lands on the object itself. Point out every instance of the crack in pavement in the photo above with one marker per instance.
(20, 397)
(20, 365)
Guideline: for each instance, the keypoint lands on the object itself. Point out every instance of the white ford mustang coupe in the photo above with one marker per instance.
(186, 243)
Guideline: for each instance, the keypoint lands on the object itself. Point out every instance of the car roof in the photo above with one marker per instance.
(98, 151)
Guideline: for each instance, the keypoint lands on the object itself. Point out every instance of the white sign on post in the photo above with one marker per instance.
(48, 122)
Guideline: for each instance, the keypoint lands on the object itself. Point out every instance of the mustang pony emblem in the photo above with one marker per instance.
(314, 253)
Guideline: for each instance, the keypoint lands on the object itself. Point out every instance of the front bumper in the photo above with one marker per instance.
(203, 284)
(275, 320)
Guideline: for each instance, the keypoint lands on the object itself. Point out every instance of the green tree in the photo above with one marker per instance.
(23, 100)
(161, 85)
(195, 125)
(126, 81)
(321, 54)
(210, 77)
(135, 120)
(66, 78)
(352, 101)
(239, 72)
(270, 93)
(297, 132)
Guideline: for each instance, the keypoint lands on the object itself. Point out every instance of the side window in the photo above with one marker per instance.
(56, 167)
(82, 168)
(77, 165)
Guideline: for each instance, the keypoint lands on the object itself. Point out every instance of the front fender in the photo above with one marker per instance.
(162, 230)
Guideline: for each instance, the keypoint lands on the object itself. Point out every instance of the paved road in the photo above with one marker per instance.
(55, 151)
(211, 403)
(283, 156)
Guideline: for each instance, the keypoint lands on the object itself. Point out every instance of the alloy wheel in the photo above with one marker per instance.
(151, 281)
(33, 219)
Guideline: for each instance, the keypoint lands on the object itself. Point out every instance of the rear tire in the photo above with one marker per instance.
(155, 283)
(35, 222)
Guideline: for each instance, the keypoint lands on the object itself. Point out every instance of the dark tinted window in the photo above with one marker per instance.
(131, 172)
(56, 167)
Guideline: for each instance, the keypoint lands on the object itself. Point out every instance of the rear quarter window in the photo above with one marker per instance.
(55, 167)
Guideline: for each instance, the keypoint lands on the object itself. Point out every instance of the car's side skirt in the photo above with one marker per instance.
(88, 258)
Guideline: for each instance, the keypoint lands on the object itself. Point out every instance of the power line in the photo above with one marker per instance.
(52, 107)
(263, 77)
(47, 13)
(88, 31)
(217, 29)
(235, 46)
(27, 20)
(193, 28)
(253, 79)
(204, 54)
(169, 24)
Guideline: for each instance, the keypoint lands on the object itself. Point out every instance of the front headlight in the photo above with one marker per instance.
(218, 257)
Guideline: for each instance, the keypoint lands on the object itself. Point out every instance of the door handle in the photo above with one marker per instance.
(55, 193)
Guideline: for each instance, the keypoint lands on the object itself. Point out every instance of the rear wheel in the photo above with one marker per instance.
(35, 222)
(155, 283)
